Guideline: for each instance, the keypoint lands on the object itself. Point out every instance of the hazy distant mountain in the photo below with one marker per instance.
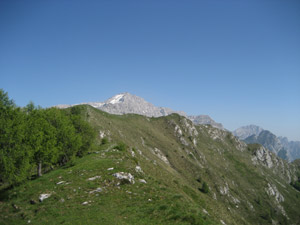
(269, 141)
(205, 119)
(125, 103)
(246, 131)
(281, 146)
(293, 147)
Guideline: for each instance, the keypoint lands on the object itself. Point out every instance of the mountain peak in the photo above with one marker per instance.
(124, 103)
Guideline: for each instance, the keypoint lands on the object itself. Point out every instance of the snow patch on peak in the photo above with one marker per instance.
(116, 99)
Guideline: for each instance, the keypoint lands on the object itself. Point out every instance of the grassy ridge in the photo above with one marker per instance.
(173, 193)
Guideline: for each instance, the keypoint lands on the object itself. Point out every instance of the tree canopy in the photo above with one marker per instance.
(36, 139)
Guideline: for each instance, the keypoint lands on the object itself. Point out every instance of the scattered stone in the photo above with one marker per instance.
(124, 177)
(138, 169)
(214, 196)
(15, 206)
(29, 221)
(94, 178)
(224, 190)
(62, 200)
(132, 153)
(60, 182)
(44, 196)
(96, 190)
(160, 155)
(149, 200)
(222, 222)
(142, 181)
(110, 168)
(85, 203)
(273, 191)
(129, 192)
(205, 212)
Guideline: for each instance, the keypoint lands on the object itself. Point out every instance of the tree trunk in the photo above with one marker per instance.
(39, 169)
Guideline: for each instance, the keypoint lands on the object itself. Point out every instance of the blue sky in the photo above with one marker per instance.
(235, 60)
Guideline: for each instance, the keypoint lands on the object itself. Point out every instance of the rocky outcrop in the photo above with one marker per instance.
(124, 177)
(262, 156)
(273, 192)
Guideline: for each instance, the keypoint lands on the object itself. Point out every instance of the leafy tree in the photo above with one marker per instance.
(68, 141)
(41, 138)
(83, 128)
(37, 138)
(14, 155)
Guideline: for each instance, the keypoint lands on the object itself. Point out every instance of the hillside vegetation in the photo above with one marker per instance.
(162, 170)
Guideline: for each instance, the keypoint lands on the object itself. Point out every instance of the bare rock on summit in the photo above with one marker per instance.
(126, 103)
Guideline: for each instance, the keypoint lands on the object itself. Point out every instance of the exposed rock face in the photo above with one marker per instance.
(127, 103)
(269, 141)
(263, 156)
(280, 167)
(273, 191)
(124, 177)
(205, 119)
(247, 131)
(160, 155)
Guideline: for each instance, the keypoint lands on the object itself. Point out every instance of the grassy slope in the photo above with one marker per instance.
(171, 195)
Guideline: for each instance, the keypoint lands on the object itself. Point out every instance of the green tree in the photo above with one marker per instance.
(68, 141)
(41, 137)
(83, 129)
(14, 155)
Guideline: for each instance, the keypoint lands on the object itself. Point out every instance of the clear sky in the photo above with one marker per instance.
(235, 60)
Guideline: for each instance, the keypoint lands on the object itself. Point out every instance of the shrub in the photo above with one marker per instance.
(104, 141)
(205, 188)
(121, 146)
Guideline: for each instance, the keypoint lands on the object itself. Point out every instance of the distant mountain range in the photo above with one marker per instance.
(125, 103)
(281, 146)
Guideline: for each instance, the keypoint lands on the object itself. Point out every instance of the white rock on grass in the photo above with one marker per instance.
(96, 190)
(85, 203)
(110, 168)
(138, 169)
(142, 181)
(44, 196)
(94, 178)
(204, 211)
(222, 222)
(60, 182)
(127, 177)
(132, 153)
